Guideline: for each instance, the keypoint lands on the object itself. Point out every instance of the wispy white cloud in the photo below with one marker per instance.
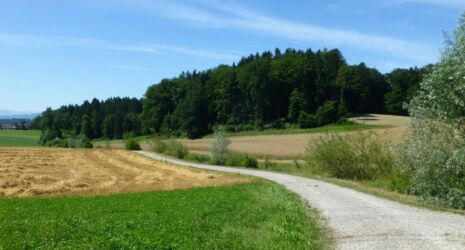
(225, 14)
(34, 40)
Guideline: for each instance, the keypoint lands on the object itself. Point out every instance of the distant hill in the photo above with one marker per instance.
(10, 114)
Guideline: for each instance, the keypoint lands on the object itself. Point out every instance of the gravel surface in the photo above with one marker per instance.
(362, 221)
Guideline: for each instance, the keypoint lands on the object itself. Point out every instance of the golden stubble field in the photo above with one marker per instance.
(52, 171)
(294, 145)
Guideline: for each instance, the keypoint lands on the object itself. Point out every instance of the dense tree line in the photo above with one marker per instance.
(272, 89)
(111, 118)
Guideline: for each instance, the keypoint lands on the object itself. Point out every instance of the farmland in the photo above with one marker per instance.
(31, 171)
(289, 146)
(258, 215)
(19, 138)
(63, 198)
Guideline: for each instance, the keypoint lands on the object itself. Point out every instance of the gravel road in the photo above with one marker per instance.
(362, 221)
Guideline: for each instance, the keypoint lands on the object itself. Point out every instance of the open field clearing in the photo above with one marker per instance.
(288, 146)
(19, 138)
(258, 215)
(46, 171)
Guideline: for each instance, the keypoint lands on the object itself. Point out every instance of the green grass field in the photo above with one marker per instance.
(19, 138)
(259, 215)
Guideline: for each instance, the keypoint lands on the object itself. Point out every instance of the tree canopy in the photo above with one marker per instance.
(434, 152)
(301, 88)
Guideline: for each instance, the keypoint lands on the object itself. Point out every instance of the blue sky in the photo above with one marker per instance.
(55, 52)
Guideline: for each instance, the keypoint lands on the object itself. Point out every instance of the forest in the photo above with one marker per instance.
(277, 89)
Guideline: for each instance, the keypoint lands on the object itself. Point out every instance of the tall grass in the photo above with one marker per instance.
(359, 157)
(172, 148)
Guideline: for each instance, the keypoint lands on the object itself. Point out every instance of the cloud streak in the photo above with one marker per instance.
(214, 14)
(34, 40)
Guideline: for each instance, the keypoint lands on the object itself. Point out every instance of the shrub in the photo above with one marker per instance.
(198, 158)
(80, 141)
(176, 149)
(307, 120)
(249, 162)
(84, 142)
(234, 160)
(131, 144)
(172, 148)
(267, 164)
(327, 113)
(48, 135)
(241, 160)
(434, 155)
(219, 148)
(360, 157)
(279, 123)
(160, 147)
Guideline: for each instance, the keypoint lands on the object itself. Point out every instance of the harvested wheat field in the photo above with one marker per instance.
(31, 171)
(294, 145)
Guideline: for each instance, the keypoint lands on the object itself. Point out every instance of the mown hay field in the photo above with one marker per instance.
(289, 146)
(55, 171)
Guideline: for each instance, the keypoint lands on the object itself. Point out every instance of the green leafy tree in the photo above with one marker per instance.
(296, 105)
(434, 152)
(86, 128)
(219, 148)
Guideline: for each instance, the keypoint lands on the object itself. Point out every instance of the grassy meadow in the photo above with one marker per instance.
(330, 128)
(259, 215)
(19, 138)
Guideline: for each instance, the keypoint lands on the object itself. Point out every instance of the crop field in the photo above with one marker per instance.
(258, 215)
(19, 138)
(52, 171)
(289, 146)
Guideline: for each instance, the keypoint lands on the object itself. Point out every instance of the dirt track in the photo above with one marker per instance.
(362, 221)
(29, 172)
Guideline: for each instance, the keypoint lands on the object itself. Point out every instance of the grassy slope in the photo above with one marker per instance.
(324, 129)
(249, 216)
(19, 138)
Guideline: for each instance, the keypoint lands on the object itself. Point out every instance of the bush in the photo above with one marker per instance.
(307, 120)
(327, 113)
(219, 149)
(267, 164)
(176, 149)
(249, 162)
(360, 157)
(48, 135)
(434, 155)
(172, 148)
(234, 160)
(198, 158)
(84, 142)
(160, 147)
(241, 160)
(131, 144)
(80, 141)
(279, 123)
